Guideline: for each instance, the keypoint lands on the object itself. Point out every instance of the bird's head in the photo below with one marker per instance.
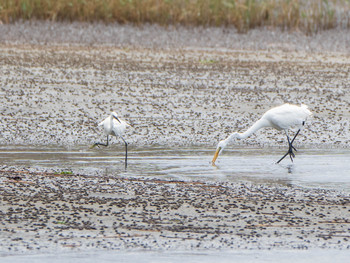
(221, 145)
(115, 116)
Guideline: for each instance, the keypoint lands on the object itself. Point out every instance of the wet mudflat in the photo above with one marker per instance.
(55, 92)
(182, 91)
(76, 200)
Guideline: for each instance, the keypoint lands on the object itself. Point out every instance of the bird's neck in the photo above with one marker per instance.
(111, 120)
(256, 126)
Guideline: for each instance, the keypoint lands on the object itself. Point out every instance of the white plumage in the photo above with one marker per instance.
(281, 118)
(114, 126)
(287, 116)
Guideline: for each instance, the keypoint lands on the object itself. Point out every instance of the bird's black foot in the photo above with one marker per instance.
(291, 148)
(290, 153)
(98, 145)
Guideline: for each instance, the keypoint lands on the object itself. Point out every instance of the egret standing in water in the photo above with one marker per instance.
(114, 126)
(282, 118)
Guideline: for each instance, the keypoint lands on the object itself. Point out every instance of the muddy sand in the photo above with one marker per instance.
(53, 212)
(57, 84)
(177, 87)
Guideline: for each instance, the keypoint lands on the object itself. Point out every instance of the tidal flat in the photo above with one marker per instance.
(182, 90)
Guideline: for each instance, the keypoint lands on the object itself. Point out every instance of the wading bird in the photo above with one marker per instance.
(283, 117)
(114, 126)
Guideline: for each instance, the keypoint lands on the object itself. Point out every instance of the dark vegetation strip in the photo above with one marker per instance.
(307, 16)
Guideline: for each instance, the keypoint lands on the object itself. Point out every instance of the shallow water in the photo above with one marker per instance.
(317, 168)
(281, 256)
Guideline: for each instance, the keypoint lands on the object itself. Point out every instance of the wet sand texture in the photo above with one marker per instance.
(57, 93)
(175, 86)
(47, 212)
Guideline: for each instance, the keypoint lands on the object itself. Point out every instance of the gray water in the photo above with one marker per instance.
(316, 168)
(280, 256)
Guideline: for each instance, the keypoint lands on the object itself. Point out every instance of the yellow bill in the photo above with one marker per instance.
(216, 155)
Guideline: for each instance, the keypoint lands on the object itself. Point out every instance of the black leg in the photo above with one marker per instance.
(294, 139)
(126, 152)
(291, 148)
(99, 143)
(282, 157)
(295, 136)
(290, 152)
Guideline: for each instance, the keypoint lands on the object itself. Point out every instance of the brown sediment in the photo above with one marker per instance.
(55, 89)
(56, 93)
(89, 212)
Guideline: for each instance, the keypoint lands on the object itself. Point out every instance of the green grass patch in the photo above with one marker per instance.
(208, 61)
(66, 172)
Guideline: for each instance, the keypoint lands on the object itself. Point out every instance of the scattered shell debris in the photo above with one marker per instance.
(176, 86)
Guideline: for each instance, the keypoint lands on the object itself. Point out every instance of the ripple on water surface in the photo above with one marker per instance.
(319, 168)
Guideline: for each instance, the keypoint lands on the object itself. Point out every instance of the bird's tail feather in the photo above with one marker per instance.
(306, 109)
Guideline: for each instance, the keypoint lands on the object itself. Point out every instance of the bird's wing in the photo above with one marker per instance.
(306, 110)
(103, 122)
(118, 128)
(287, 116)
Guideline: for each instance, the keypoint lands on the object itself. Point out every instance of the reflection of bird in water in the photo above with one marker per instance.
(290, 169)
(114, 126)
(281, 118)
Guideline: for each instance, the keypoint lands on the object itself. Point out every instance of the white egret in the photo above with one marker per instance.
(114, 126)
(283, 117)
